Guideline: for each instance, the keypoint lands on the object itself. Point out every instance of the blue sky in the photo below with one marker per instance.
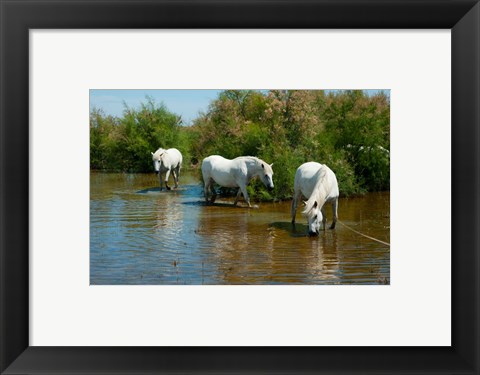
(187, 103)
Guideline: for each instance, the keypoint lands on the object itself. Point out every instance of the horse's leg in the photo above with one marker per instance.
(243, 189)
(167, 175)
(214, 192)
(174, 174)
(160, 177)
(335, 214)
(324, 218)
(177, 175)
(239, 192)
(206, 186)
(296, 198)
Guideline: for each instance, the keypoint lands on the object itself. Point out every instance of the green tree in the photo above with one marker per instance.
(125, 144)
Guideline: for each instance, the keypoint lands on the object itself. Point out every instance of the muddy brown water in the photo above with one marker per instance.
(140, 235)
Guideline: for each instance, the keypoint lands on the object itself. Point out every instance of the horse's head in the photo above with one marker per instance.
(157, 161)
(267, 175)
(314, 216)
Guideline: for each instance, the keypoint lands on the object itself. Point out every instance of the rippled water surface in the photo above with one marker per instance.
(139, 235)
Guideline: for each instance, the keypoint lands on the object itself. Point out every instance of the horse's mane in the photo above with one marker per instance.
(159, 152)
(319, 193)
(258, 161)
(249, 157)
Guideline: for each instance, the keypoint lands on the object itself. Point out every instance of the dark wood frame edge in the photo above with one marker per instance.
(18, 17)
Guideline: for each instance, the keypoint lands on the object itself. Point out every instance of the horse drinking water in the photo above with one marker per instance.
(318, 184)
(166, 161)
(234, 173)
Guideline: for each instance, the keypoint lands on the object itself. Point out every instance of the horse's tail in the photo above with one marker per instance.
(181, 160)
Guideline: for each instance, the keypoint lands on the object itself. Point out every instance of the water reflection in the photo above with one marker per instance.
(139, 235)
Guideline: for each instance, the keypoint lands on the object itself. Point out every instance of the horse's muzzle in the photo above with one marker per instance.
(312, 234)
(156, 172)
(270, 188)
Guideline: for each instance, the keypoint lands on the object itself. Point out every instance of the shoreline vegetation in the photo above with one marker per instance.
(347, 130)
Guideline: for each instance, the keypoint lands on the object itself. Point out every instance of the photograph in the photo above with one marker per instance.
(239, 187)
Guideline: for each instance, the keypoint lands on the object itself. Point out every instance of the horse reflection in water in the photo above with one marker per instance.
(169, 221)
(246, 249)
(325, 265)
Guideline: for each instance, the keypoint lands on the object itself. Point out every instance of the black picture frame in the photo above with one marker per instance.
(17, 17)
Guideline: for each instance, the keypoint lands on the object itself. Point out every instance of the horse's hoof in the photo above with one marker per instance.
(169, 188)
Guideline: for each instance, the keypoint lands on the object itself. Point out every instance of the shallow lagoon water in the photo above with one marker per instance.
(140, 235)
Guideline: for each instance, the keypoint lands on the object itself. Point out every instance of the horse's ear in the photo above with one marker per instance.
(271, 165)
(315, 204)
(152, 153)
(304, 203)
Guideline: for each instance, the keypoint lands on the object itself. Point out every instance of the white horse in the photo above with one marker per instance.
(234, 173)
(318, 184)
(166, 161)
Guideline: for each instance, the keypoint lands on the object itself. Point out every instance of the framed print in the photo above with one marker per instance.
(88, 285)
